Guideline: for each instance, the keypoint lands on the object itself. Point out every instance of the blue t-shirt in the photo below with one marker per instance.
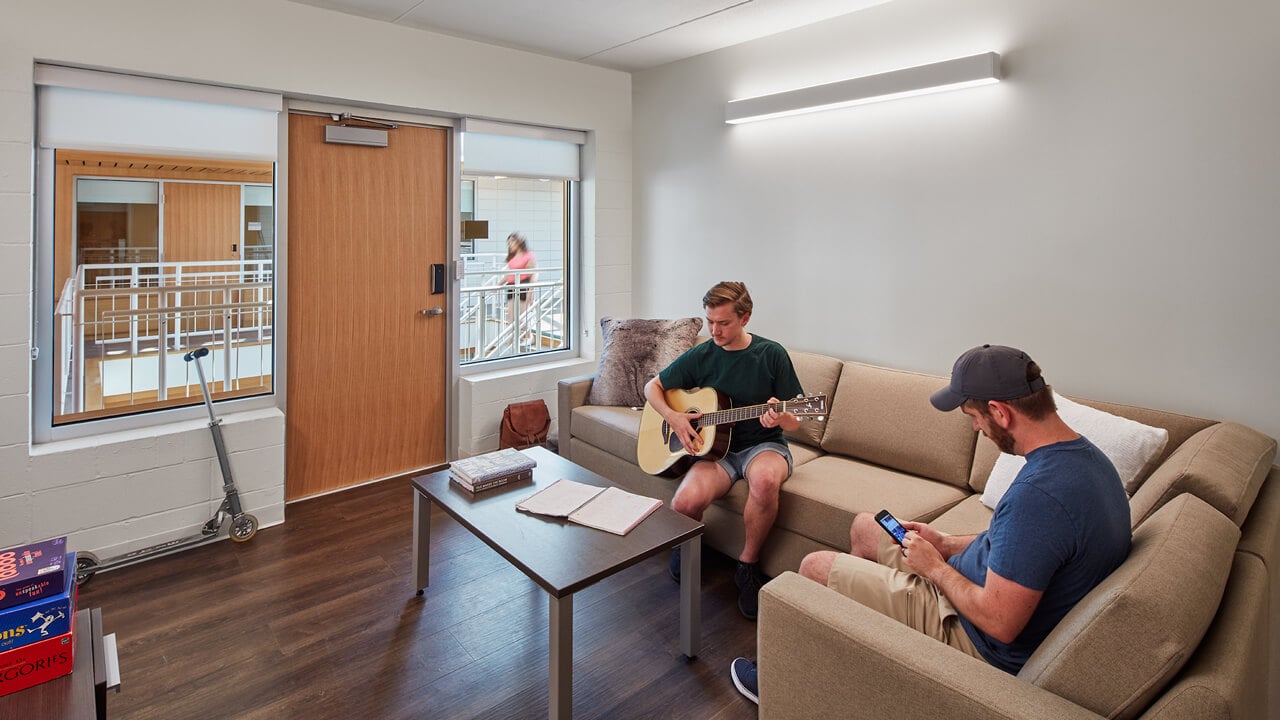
(1061, 528)
(749, 376)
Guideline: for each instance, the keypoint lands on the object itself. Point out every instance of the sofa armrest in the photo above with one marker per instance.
(570, 393)
(825, 655)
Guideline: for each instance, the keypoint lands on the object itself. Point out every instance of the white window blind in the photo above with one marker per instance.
(90, 110)
(492, 148)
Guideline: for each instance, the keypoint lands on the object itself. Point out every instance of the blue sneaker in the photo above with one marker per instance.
(745, 679)
(673, 567)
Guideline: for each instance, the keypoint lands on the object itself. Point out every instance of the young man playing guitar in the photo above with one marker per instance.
(750, 370)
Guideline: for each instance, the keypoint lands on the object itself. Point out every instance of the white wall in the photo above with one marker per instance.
(1113, 207)
(118, 492)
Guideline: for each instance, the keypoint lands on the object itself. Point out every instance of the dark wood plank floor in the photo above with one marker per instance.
(316, 619)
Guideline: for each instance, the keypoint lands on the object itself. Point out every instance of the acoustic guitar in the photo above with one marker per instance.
(659, 451)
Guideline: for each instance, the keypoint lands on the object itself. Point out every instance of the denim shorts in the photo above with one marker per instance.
(735, 463)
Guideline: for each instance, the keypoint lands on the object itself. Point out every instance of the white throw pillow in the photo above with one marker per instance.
(1129, 445)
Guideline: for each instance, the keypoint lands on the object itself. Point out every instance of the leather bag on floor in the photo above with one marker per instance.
(524, 424)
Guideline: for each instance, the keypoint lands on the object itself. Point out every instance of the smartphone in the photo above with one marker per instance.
(891, 526)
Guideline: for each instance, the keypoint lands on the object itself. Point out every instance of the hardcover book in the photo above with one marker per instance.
(502, 463)
(40, 619)
(31, 572)
(487, 484)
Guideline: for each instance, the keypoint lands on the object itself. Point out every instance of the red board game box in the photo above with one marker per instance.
(36, 663)
(31, 572)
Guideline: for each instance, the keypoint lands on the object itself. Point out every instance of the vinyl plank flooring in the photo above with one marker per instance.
(316, 619)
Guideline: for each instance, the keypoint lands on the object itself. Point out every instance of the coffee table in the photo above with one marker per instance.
(560, 556)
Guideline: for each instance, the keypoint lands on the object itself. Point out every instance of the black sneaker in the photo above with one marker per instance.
(673, 567)
(748, 579)
(745, 679)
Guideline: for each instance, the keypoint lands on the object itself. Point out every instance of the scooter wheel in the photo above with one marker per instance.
(86, 566)
(244, 528)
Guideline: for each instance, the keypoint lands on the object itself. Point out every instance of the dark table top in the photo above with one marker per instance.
(561, 556)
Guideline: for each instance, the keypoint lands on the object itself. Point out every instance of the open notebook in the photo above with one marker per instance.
(611, 509)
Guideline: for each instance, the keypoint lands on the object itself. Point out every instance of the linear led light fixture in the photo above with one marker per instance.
(964, 72)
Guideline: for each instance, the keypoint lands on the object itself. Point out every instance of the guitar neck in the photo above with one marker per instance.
(732, 415)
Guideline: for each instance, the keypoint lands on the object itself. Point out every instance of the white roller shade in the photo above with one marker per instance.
(491, 148)
(89, 110)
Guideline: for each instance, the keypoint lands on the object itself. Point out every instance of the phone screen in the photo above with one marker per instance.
(891, 524)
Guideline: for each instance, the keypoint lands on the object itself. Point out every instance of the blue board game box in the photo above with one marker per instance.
(41, 619)
(34, 571)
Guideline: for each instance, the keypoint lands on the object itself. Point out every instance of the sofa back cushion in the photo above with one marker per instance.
(883, 416)
(817, 374)
(1223, 464)
(1116, 650)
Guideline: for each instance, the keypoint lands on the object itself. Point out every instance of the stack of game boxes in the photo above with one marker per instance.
(37, 614)
(492, 469)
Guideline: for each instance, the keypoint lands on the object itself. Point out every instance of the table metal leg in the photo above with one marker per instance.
(561, 692)
(691, 597)
(421, 540)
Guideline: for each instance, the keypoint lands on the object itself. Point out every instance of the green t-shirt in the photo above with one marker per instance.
(749, 376)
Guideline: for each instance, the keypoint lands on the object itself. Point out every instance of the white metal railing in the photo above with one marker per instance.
(496, 322)
(132, 312)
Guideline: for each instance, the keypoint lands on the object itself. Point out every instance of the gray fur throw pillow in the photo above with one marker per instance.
(635, 351)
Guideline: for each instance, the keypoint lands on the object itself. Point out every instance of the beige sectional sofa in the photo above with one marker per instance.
(1185, 628)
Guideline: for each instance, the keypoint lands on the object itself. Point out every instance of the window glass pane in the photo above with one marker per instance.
(154, 257)
(514, 298)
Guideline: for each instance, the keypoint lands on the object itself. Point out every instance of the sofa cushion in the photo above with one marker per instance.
(967, 517)
(1224, 465)
(1131, 446)
(612, 429)
(883, 416)
(635, 351)
(817, 374)
(1126, 639)
(822, 496)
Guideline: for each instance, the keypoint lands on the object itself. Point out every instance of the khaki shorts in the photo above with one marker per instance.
(891, 588)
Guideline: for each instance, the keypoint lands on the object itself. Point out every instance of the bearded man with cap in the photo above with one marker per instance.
(1060, 529)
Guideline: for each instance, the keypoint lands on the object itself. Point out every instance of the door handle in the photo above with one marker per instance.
(432, 311)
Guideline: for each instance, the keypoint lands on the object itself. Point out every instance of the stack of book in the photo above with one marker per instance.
(37, 611)
(491, 470)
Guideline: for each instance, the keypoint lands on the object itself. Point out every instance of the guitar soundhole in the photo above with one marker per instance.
(673, 440)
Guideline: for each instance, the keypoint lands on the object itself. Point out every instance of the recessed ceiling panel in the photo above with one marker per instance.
(571, 29)
(624, 34)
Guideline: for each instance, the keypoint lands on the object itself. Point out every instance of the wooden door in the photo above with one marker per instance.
(201, 222)
(366, 369)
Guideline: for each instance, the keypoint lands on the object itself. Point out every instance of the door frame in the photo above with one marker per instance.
(453, 150)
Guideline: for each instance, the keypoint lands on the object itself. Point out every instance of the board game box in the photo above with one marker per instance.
(31, 572)
(38, 662)
(40, 619)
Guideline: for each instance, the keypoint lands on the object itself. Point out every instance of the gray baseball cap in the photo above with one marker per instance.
(989, 372)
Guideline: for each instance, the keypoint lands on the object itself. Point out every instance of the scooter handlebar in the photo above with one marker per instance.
(201, 352)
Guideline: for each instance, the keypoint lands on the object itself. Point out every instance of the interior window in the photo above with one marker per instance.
(153, 257)
(514, 290)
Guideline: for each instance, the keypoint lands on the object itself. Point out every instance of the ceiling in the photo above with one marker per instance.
(625, 35)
